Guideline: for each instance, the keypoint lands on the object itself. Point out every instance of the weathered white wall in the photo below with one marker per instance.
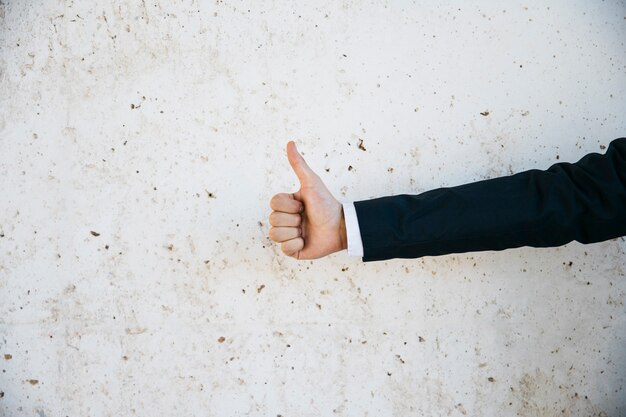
(161, 126)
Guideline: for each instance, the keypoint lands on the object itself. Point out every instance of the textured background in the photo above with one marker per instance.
(161, 126)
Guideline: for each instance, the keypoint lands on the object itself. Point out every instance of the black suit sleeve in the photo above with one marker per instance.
(585, 201)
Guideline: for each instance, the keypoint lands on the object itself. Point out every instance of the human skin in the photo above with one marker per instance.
(308, 224)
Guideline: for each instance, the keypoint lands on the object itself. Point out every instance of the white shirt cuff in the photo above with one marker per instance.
(355, 244)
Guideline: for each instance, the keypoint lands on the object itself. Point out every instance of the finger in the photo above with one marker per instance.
(299, 165)
(278, 218)
(286, 203)
(282, 234)
(292, 247)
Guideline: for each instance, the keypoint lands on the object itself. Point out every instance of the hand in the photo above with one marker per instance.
(309, 223)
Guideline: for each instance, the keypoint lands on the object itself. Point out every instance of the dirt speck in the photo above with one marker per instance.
(602, 147)
(259, 289)
(8, 356)
(221, 339)
(491, 379)
(33, 381)
(135, 330)
(96, 234)
(484, 113)
(421, 339)
(350, 168)
(361, 146)
(210, 194)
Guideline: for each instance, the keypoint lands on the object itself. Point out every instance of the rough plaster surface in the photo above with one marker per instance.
(140, 142)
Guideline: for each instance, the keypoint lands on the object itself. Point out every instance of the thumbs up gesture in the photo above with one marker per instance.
(309, 223)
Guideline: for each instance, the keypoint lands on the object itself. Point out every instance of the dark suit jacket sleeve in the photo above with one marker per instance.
(585, 201)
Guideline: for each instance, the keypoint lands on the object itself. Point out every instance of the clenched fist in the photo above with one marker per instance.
(309, 223)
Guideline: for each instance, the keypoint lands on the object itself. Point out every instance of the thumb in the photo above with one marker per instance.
(298, 164)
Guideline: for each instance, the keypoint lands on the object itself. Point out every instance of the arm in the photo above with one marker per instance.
(585, 201)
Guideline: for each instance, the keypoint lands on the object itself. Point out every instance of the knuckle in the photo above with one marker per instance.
(287, 250)
(277, 198)
(296, 244)
(274, 200)
(294, 207)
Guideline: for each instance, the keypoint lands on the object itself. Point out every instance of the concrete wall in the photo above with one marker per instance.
(140, 142)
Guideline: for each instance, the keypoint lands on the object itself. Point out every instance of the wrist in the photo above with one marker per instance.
(343, 234)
